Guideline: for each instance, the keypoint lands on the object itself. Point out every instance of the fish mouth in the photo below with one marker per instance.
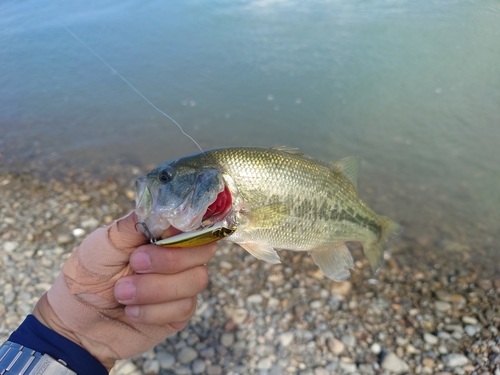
(219, 209)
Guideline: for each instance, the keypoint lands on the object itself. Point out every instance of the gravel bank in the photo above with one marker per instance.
(431, 310)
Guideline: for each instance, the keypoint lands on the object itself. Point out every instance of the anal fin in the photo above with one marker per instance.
(262, 252)
(335, 261)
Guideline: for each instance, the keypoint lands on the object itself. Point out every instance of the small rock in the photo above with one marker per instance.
(286, 338)
(430, 339)
(78, 232)
(208, 352)
(239, 315)
(198, 366)
(10, 246)
(127, 368)
(316, 305)
(64, 239)
(471, 330)
(347, 365)
(349, 340)
(343, 288)
(455, 360)
(214, 370)
(256, 299)
(90, 223)
(264, 364)
(320, 371)
(226, 265)
(376, 348)
(187, 354)
(442, 306)
(227, 339)
(469, 320)
(395, 364)
(166, 360)
(336, 346)
(366, 369)
(151, 366)
(428, 362)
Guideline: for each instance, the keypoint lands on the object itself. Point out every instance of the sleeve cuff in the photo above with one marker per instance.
(34, 335)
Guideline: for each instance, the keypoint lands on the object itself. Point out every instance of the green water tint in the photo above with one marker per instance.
(412, 88)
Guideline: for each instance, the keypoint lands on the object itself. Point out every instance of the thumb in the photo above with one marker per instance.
(102, 258)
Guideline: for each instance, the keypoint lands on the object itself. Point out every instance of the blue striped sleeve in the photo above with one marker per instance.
(34, 335)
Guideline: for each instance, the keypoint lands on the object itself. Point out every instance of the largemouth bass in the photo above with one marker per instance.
(270, 199)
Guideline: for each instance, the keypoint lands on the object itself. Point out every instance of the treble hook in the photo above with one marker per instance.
(148, 233)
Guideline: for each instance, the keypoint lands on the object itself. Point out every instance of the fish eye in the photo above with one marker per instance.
(166, 174)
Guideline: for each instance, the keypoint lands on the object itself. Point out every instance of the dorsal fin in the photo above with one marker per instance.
(349, 168)
(290, 150)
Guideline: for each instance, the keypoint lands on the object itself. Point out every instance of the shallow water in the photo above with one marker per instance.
(413, 88)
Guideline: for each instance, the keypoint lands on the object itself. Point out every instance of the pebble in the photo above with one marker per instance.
(264, 364)
(472, 330)
(187, 354)
(455, 360)
(256, 299)
(214, 370)
(469, 320)
(442, 306)
(198, 366)
(64, 239)
(395, 364)
(285, 338)
(347, 365)
(272, 319)
(376, 348)
(321, 371)
(430, 339)
(227, 339)
(78, 232)
(165, 359)
(10, 246)
(151, 366)
(343, 288)
(336, 346)
(349, 340)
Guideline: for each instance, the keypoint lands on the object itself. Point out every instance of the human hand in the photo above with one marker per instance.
(118, 296)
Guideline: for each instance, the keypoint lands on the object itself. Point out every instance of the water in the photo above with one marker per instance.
(412, 87)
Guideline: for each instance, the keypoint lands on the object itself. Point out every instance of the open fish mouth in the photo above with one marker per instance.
(219, 209)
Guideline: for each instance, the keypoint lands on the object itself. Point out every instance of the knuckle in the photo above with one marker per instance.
(187, 307)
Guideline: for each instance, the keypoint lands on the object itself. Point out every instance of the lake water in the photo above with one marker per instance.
(411, 87)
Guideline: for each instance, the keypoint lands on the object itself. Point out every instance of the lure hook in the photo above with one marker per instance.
(148, 233)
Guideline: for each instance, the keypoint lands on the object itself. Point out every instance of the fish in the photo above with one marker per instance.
(266, 200)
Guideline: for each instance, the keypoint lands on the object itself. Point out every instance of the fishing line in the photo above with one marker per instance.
(133, 88)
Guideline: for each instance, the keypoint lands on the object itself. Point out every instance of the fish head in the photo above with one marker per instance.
(184, 194)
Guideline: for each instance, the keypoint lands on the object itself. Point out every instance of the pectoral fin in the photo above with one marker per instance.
(262, 252)
(335, 261)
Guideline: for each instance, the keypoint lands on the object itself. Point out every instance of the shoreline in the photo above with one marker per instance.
(430, 310)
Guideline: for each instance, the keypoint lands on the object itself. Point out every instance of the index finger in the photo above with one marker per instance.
(156, 259)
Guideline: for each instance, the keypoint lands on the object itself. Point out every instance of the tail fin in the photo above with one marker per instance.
(374, 252)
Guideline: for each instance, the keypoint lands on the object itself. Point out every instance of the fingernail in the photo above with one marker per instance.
(124, 291)
(132, 311)
(140, 262)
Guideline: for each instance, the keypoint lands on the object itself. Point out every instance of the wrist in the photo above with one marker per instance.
(45, 315)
